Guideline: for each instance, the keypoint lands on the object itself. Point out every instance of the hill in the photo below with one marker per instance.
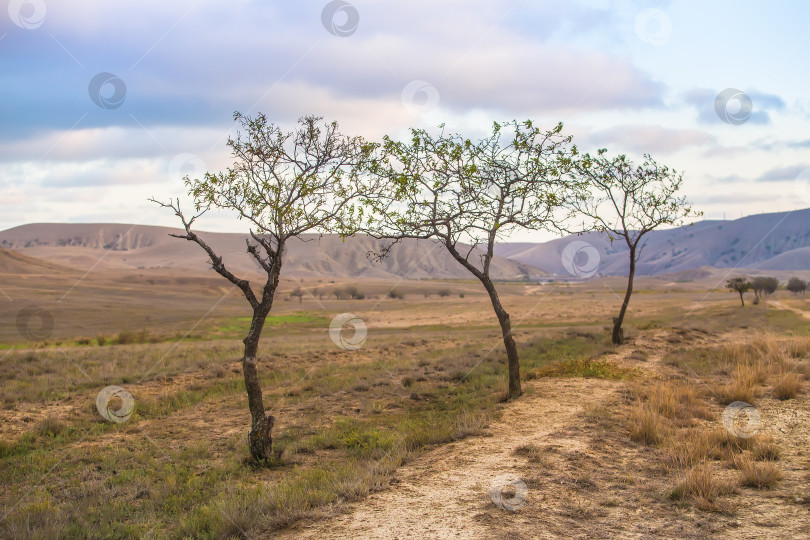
(779, 241)
(110, 245)
(12, 262)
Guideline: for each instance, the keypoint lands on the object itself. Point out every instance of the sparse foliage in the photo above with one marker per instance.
(466, 194)
(740, 285)
(285, 184)
(627, 201)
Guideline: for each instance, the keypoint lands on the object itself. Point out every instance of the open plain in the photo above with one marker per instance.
(401, 433)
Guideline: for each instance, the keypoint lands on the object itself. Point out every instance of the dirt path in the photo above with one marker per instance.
(797, 311)
(445, 493)
(575, 474)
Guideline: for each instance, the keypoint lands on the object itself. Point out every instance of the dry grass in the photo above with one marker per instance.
(51, 427)
(645, 425)
(703, 488)
(765, 448)
(760, 475)
(532, 452)
(745, 376)
(788, 386)
(671, 415)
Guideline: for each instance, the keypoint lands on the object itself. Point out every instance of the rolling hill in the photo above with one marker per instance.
(766, 242)
(141, 246)
(778, 241)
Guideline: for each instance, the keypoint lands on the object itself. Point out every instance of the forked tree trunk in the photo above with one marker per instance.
(260, 439)
(513, 363)
(617, 338)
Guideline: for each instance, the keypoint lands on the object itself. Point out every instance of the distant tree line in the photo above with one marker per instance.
(764, 286)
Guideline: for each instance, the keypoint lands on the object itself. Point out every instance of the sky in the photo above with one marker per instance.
(106, 104)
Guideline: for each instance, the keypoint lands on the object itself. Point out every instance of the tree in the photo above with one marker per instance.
(740, 285)
(284, 184)
(796, 285)
(763, 286)
(465, 195)
(299, 293)
(628, 201)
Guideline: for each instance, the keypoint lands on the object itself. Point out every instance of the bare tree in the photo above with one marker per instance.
(739, 285)
(466, 195)
(285, 184)
(628, 201)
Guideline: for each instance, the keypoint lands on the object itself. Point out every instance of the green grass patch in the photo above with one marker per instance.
(239, 326)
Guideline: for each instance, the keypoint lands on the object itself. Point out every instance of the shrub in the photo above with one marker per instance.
(102, 340)
(444, 293)
(396, 294)
(125, 337)
(787, 387)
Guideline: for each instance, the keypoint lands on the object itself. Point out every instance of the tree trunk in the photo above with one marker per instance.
(618, 334)
(741, 299)
(508, 341)
(260, 440)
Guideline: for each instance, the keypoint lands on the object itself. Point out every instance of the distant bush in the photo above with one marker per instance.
(396, 294)
(297, 292)
(102, 340)
(125, 337)
(83, 341)
(350, 292)
(354, 293)
(796, 285)
(444, 293)
(461, 295)
(764, 285)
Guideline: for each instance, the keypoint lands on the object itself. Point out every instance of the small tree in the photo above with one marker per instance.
(739, 285)
(796, 285)
(628, 201)
(298, 293)
(466, 195)
(285, 184)
(764, 285)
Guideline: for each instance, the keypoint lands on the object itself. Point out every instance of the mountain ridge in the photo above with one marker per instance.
(116, 245)
(763, 242)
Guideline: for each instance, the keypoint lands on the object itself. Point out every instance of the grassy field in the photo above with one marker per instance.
(431, 371)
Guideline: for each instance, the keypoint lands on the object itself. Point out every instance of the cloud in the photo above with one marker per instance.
(192, 64)
(776, 174)
(651, 138)
(781, 174)
(703, 100)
